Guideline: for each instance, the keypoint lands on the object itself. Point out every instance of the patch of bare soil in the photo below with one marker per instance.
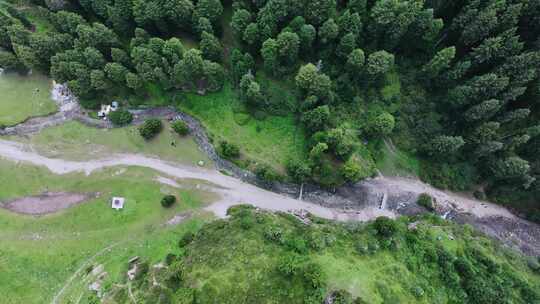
(46, 203)
(179, 218)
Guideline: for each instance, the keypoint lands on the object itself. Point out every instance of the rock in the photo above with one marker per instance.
(201, 163)
(133, 260)
(97, 270)
(413, 226)
(302, 215)
(96, 286)
(132, 272)
(177, 219)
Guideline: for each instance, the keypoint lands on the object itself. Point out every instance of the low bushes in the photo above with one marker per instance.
(385, 226)
(168, 200)
(457, 177)
(121, 118)
(150, 128)
(265, 173)
(426, 201)
(228, 150)
(241, 118)
(180, 128)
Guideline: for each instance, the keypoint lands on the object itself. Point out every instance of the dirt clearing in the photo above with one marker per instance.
(49, 202)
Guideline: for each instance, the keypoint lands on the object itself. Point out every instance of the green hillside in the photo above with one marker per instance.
(261, 257)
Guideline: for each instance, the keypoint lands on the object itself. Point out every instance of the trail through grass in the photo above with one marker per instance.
(393, 162)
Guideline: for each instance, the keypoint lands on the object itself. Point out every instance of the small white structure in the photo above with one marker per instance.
(118, 203)
(106, 109)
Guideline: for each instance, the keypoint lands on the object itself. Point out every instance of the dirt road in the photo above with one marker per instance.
(231, 190)
(397, 193)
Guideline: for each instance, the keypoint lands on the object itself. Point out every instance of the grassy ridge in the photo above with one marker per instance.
(260, 257)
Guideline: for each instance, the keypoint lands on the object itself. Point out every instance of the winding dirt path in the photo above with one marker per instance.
(234, 191)
(79, 270)
(231, 190)
(397, 194)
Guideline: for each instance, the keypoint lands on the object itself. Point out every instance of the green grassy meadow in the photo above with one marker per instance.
(271, 140)
(392, 161)
(39, 254)
(76, 141)
(23, 97)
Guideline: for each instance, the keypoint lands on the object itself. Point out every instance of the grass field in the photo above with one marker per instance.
(393, 162)
(272, 140)
(39, 254)
(24, 96)
(76, 141)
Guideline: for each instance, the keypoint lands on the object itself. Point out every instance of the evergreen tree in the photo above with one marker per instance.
(440, 62)
(211, 47)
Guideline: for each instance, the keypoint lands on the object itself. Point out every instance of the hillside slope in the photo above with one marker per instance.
(261, 257)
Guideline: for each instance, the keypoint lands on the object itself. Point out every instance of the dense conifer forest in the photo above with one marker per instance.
(455, 84)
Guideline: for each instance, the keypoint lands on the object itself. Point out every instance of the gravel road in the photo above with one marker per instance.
(399, 194)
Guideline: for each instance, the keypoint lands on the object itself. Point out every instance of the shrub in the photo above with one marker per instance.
(241, 118)
(228, 150)
(298, 170)
(385, 226)
(291, 263)
(150, 128)
(296, 244)
(479, 194)
(265, 173)
(314, 275)
(457, 177)
(91, 104)
(341, 297)
(180, 128)
(534, 265)
(170, 258)
(246, 222)
(121, 118)
(186, 239)
(426, 201)
(274, 234)
(352, 171)
(418, 291)
(381, 125)
(168, 200)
